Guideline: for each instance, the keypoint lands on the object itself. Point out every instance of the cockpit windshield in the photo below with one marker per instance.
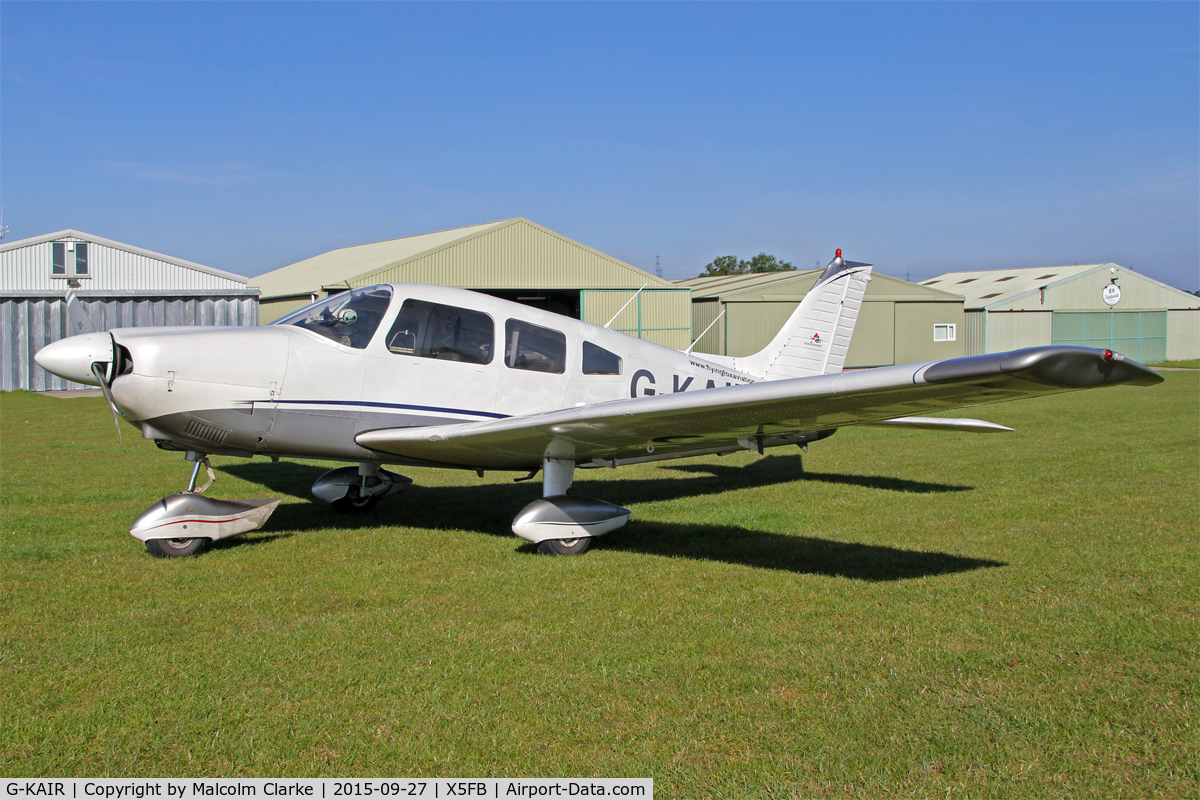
(349, 318)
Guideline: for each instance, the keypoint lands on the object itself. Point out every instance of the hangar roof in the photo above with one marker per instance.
(514, 253)
(345, 263)
(70, 233)
(983, 288)
(792, 285)
(1013, 288)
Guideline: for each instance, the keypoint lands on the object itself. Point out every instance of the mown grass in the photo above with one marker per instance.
(913, 614)
(1193, 363)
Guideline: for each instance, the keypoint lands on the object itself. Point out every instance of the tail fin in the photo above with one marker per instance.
(816, 338)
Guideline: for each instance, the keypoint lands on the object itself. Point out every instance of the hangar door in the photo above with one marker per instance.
(1141, 335)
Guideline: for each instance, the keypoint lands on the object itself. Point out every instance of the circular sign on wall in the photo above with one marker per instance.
(1112, 294)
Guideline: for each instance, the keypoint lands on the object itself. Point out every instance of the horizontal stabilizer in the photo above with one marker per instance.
(942, 424)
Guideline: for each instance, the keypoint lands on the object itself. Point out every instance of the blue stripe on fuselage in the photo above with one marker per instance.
(387, 405)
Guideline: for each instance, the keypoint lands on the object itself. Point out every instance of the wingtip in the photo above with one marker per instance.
(1055, 365)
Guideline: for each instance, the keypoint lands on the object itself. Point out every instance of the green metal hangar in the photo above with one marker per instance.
(514, 258)
(1095, 305)
(899, 323)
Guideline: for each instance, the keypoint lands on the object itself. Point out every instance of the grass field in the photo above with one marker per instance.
(911, 614)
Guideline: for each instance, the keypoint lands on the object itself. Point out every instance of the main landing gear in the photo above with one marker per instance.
(358, 489)
(561, 524)
(186, 523)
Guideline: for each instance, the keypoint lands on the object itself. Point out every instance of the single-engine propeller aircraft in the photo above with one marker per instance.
(420, 375)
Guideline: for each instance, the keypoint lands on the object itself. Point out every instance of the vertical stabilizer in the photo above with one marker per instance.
(816, 338)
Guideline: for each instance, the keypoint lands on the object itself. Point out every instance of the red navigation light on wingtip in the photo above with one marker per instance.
(839, 253)
(1108, 355)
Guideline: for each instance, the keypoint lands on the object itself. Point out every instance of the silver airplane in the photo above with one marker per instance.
(428, 376)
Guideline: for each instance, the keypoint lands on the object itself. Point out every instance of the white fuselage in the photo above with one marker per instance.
(285, 389)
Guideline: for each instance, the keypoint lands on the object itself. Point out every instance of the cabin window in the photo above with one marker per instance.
(598, 361)
(945, 333)
(69, 260)
(349, 318)
(534, 348)
(447, 333)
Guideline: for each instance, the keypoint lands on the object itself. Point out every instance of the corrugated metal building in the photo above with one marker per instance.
(118, 285)
(900, 322)
(1095, 305)
(514, 258)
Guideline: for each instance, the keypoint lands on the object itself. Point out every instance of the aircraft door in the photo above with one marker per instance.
(434, 365)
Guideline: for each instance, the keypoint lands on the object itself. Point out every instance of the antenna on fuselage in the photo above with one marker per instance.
(627, 302)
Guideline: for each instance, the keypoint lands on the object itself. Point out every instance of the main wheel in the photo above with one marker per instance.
(354, 502)
(565, 547)
(177, 548)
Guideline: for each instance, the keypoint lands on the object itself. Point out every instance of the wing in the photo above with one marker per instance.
(686, 423)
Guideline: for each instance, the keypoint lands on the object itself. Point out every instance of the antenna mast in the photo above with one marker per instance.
(627, 302)
(657, 266)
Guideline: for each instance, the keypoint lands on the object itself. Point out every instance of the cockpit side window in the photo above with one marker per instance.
(448, 333)
(350, 318)
(598, 361)
(534, 348)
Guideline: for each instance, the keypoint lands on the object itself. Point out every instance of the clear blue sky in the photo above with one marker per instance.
(920, 137)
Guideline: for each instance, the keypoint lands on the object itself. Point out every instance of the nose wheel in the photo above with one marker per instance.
(186, 523)
(176, 548)
(186, 546)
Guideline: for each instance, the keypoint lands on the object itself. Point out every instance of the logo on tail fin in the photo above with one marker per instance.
(814, 340)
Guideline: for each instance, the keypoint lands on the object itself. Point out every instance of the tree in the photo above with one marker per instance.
(765, 263)
(724, 265)
(732, 265)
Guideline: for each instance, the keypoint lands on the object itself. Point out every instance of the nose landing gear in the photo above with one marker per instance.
(186, 523)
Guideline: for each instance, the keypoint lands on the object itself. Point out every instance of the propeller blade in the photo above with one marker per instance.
(98, 371)
(79, 320)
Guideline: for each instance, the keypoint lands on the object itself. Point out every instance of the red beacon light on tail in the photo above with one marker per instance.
(1108, 355)
(838, 254)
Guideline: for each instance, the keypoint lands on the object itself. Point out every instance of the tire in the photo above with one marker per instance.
(354, 503)
(177, 548)
(565, 547)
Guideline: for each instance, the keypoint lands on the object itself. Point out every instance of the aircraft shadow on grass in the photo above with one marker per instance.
(246, 541)
(488, 509)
